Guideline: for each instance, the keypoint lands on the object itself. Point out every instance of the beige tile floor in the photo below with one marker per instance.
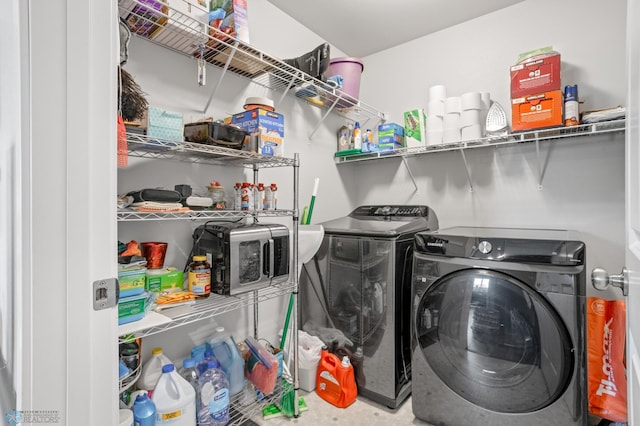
(362, 412)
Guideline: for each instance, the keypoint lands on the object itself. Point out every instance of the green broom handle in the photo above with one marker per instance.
(286, 322)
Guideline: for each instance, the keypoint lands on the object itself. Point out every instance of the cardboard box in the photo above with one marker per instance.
(231, 18)
(537, 111)
(162, 280)
(131, 283)
(537, 76)
(414, 128)
(267, 126)
(144, 18)
(390, 136)
(132, 308)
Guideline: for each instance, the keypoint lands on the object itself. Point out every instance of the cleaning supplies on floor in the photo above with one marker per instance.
(175, 399)
(335, 380)
(227, 354)
(213, 396)
(152, 370)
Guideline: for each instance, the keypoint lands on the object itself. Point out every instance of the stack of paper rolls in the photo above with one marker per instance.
(471, 117)
(452, 110)
(435, 114)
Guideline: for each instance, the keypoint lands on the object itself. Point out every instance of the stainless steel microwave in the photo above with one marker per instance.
(243, 257)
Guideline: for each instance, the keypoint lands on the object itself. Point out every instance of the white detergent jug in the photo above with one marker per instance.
(175, 399)
(152, 370)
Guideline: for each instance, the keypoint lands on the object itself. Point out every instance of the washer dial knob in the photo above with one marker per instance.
(485, 247)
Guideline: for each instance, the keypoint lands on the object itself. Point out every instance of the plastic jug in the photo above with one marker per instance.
(144, 411)
(335, 380)
(227, 354)
(213, 396)
(175, 399)
(152, 370)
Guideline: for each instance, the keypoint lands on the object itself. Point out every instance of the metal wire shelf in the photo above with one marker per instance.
(130, 215)
(202, 309)
(509, 139)
(180, 33)
(150, 147)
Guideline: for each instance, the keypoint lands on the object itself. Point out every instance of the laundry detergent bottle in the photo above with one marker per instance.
(175, 399)
(335, 380)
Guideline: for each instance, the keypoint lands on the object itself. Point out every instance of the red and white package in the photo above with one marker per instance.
(606, 328)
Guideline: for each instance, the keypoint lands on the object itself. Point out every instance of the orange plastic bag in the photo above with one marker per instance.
(606, 333)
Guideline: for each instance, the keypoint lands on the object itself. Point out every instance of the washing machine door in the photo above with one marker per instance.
(494, 341)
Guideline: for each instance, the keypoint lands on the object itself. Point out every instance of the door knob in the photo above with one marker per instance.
(601, 279)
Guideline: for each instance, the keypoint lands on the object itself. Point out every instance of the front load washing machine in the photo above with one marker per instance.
(498, 327)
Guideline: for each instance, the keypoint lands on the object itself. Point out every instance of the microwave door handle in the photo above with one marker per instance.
(272, 262)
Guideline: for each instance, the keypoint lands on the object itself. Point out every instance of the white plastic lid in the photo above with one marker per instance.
(259, 100)
(345, 361)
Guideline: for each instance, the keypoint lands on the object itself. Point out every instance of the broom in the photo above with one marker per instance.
(288, 401)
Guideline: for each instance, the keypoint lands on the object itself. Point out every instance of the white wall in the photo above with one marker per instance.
(583, 182)
(583, 178)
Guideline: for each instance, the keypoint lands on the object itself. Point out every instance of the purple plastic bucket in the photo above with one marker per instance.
(350, 70)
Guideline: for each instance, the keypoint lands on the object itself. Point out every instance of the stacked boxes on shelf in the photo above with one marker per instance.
(415, 132)
(536, 95)
(267, 126)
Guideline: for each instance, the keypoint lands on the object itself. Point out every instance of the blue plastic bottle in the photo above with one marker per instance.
(202, 365)
(227, 354)
(144, 411)
(213, 396)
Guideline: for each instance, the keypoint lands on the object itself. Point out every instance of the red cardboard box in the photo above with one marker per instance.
(537, 111)
(536, 76)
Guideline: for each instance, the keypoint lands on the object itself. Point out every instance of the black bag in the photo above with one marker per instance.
(157, 195)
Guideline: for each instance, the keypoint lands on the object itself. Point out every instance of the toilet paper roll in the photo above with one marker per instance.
(471, 132)
(452, 104)
(451, 136)
(471, 100)
(451, 121)
(434, 137)
(437, 93)
(485, 97)
(470, 117)
(435, 122)
(435, 107)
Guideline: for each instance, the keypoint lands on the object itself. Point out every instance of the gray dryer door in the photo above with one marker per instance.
(494, 341)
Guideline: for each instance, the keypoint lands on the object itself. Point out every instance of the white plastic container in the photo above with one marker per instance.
(228, 355)
(152, 370)
(175, 399)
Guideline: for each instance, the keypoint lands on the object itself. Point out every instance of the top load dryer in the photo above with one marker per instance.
(358, 287)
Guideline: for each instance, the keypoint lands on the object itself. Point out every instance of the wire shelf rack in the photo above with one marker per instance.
(188, 36)
(202, 309)
(508, 139)
(151, 147)
(130, 215)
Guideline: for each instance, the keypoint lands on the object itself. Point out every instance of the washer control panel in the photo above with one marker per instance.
(390, 211)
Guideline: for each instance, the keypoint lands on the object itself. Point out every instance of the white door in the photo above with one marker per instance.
(63, 188)
(632, 257)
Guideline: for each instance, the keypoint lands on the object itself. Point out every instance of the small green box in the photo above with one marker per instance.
(161, 280)
(132, 308)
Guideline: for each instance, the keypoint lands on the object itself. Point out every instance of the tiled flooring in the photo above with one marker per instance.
(362, 412)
